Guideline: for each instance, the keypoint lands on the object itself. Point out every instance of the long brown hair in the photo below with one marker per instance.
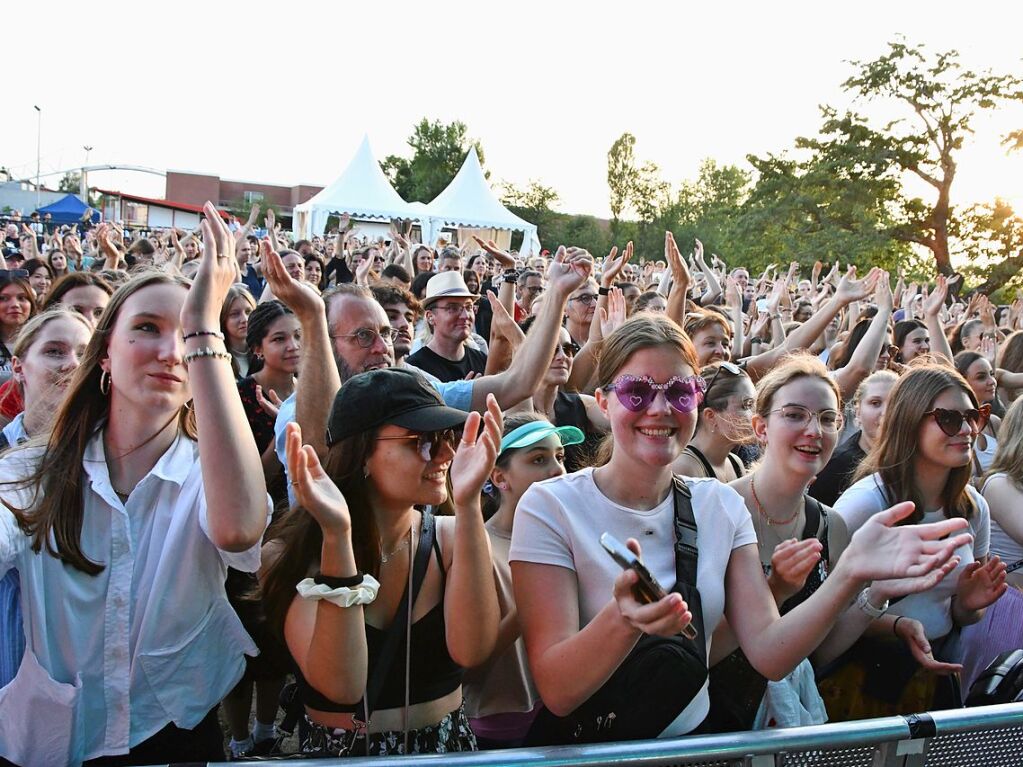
(893, 453)
(58, 481)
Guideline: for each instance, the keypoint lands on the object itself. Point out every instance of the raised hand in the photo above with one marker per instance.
(613, 266)
(912, 633)
(934, 302)
(475, 457)
(666, 617)
(613, 317)
(314, 491)
(981, 584)
(883, 293)
(362, 271)
(680, 275)
(850, 289)
(270, 221)
(792, 561)
(502, 257)
(569, 269)
(218, 271)
(879, 550)
(268, 401)
(300, 297)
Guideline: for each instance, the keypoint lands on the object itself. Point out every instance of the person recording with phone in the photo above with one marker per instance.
(618, 669)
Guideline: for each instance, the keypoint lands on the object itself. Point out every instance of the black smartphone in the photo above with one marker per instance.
(647, 589)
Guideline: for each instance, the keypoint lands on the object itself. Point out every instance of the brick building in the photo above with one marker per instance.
(196, 188)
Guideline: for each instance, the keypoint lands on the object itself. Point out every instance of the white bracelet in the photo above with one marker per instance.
(363, 594)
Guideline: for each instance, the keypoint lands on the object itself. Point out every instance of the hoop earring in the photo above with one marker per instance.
(104, 383)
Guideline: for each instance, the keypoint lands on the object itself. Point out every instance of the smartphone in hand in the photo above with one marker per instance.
(647, 589)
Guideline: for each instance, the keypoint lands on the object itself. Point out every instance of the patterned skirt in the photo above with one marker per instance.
(452, 733)
(999, 630)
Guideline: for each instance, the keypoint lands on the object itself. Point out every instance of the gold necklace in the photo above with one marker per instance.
(386, 557)
(764, 514)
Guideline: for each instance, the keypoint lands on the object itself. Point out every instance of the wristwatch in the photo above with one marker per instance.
(863, 602)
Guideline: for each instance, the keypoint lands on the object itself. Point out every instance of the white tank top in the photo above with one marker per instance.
(1001, 543)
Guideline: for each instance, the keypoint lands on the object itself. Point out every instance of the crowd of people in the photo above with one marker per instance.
(371, 487)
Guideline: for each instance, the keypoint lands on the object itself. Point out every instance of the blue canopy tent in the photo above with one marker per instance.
(68, 210)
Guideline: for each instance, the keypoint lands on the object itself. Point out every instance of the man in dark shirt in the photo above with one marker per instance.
(450, 313)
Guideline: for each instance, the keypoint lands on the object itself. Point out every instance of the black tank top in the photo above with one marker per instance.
(432, 672)
(737, 466)
(570, 410)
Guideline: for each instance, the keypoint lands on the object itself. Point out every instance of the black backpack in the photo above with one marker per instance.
(1000, 682)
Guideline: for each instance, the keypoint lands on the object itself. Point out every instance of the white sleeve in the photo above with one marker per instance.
(539, 534)
(981, 524)
(859, 503)
(12, 540)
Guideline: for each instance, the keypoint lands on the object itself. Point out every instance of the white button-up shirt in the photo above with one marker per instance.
(113, 658)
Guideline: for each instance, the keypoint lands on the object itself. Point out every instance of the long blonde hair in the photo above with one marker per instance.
(1009, 453)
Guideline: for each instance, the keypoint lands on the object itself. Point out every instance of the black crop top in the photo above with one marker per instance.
(432, 672)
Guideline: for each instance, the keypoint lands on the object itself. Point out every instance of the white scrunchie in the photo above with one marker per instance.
(363, 594)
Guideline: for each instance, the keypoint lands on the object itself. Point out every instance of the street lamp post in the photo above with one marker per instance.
(83, 183)
(39, 140)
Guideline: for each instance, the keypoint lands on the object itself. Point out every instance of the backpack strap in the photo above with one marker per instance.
(687, 556)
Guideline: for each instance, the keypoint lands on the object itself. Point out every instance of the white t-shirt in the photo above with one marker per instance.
(559, 522)
(1002, 543)
(933, 607)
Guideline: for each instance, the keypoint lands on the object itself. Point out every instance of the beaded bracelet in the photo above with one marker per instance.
(200, 333)
(206, 352)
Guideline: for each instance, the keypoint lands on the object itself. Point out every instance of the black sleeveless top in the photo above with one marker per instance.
(432, 672)
(737, 466)
(570, 410)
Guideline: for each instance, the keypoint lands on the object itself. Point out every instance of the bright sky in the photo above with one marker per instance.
(283, 92)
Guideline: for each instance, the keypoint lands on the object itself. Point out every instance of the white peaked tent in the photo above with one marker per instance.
(362, 191)
(469, 203)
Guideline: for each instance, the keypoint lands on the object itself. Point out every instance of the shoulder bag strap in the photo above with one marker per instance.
(686, 562)
(397, 630)
(699, 456)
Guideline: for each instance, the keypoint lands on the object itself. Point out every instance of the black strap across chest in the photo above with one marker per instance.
(687, 556)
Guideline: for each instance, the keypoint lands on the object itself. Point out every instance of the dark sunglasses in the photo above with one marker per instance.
(951, 421)
(428, 444)
(636, 394)
(570, 348)
(12, 274)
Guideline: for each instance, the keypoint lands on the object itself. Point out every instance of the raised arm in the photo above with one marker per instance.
(680, 280)
(863, 360)
(568, 271)
(231, 469)
(470, 588)
(271, 222)
(319, 382)
(932, 319)
(713, 285)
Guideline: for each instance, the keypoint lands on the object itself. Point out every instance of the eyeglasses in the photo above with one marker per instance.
(456, 309)
(637, 394)
(586, 298)
(12, 274)
(799, 417)
(728, 367)
(428, 444)
(533, 289)
(951, 421)
(366, 337)
(569, 348)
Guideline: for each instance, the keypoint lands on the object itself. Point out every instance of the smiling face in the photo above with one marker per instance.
(796, 448)
(144, 356)
(452, 318)
(45, 369)
(400, 476)
(712, 344)
(349, 315)
(656, 436)
(15, 307)
(937, 449)
(40, 281)
(281, 345)
(424, 260)
(980, 378)
(582, 304)
(915, 345)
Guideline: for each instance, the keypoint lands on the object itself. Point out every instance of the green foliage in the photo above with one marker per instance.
(70, 182)
(242, 208)
(989, 239)
(621, 176)
(438, 151)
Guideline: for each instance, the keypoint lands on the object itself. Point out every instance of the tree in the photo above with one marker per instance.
(990, 238)
(438, 151)
(621, 176)
(70, 182)
(535, 203)
(938, 100)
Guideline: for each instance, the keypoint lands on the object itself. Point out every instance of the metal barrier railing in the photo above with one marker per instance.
(987, 736)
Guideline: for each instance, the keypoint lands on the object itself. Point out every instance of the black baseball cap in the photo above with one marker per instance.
(389, 396)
